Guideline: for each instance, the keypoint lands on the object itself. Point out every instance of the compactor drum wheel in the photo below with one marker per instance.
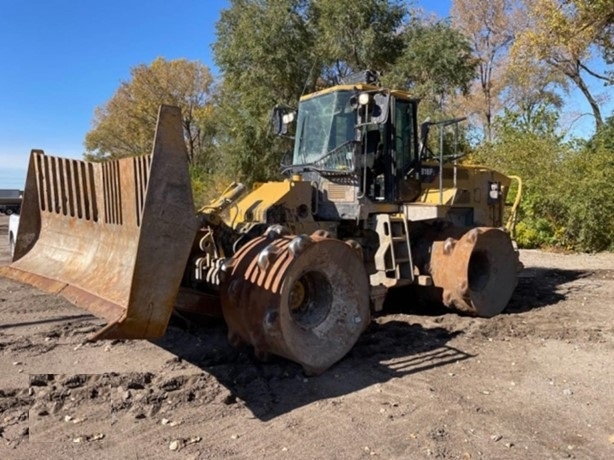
(302, 297)
(477, 272)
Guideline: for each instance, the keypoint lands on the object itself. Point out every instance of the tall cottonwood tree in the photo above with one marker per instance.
(565, 36)
(489, 26)
(125, 125)
(436, 63)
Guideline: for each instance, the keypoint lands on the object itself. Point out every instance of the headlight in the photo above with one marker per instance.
(364, 98)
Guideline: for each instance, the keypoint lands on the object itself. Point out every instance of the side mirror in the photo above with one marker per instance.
(380, 109)
(281, 118)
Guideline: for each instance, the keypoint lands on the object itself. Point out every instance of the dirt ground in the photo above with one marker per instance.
(536, 382)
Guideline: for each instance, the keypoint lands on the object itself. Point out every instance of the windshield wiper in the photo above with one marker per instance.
(332, 162)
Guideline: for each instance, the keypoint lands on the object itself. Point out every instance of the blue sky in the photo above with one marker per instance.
(63, 58)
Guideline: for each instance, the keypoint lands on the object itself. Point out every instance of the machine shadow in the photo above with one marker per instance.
(269, 389)
(538, 287)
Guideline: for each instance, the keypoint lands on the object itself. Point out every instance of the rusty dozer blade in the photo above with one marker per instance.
(302, 297)
(477, 272)
(114, 237)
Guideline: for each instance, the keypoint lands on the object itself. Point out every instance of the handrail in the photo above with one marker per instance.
(511, 221)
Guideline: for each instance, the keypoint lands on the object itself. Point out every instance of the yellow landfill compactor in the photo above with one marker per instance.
(296, 267)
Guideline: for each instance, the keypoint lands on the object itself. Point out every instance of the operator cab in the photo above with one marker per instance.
(360, 136)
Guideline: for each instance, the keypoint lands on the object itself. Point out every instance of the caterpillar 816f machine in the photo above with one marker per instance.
(295, 267)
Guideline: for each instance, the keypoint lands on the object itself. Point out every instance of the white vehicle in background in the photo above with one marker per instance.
(13, 227)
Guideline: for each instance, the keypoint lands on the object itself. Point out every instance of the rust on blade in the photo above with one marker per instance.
(111, 237)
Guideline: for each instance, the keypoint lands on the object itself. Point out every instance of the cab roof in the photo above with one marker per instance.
(360, 87)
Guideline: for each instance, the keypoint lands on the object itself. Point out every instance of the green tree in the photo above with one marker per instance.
(263, 50)
(125, 125)
(350, 36)
(436, 62)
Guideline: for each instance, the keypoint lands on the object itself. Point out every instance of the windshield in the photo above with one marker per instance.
(324, 123)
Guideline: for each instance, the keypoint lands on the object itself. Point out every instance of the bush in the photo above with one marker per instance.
(568, 197)
(588, 191)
